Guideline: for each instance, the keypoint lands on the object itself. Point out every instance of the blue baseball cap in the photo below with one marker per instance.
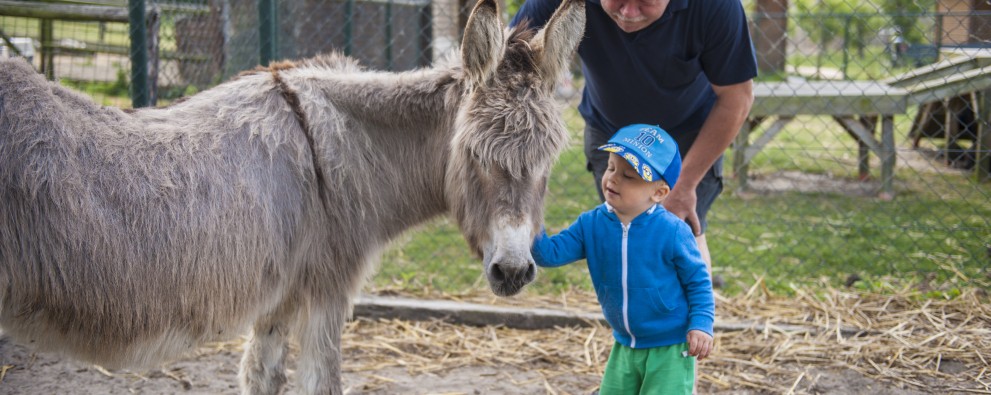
(649, 149)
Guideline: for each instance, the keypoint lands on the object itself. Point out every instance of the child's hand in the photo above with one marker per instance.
(699, 344)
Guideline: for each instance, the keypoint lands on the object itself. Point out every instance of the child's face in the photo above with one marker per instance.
(626, 192)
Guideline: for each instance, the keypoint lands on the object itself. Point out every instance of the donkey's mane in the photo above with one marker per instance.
(331, 61)
(519, 54)
(334, 61)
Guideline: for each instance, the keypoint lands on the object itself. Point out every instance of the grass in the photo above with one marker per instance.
(801, 238)
(874, 63)
(118, 88)
(114, 33)
(934, 234)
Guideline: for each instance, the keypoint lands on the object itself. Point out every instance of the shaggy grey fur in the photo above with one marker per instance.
(130, 238)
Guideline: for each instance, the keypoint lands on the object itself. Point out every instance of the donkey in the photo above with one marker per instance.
(128, 238)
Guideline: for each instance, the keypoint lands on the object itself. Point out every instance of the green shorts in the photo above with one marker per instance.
(658, 370)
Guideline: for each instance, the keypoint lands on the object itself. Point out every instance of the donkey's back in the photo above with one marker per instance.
(129, 238)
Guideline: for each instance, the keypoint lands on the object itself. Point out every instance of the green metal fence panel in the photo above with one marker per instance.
(140, 95)
(266, 31)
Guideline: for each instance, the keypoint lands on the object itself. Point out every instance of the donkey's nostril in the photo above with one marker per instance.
(497, 273)
(531, 272)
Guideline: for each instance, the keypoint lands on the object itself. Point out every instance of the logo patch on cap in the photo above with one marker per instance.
(632, 159)
(612, 148)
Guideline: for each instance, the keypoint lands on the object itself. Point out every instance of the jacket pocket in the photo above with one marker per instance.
(665, 303)
(656, 312)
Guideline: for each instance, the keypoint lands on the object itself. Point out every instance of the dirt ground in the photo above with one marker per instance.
(831, 341)
(214, 371)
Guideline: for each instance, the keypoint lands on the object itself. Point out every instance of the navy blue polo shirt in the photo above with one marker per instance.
(661, 74)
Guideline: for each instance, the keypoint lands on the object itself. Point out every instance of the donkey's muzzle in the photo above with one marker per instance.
(508, 277)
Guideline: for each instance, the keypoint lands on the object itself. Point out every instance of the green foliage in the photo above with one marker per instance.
(904, 16)
(873, 62)
(171, 93)
(512, 7)
(825, 20)
(119, 87)
(856, 23)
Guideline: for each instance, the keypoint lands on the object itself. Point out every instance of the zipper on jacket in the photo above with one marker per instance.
(626, 292)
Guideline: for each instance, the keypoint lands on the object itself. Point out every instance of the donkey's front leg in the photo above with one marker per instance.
(263, 368)
(319, 366)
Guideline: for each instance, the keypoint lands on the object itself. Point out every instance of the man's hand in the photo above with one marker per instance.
(681, 202)
(700, 344)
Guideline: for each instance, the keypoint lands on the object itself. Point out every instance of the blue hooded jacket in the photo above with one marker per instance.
(649, 276)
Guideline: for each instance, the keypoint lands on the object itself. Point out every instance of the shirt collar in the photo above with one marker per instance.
(673, 7)
(649, 210)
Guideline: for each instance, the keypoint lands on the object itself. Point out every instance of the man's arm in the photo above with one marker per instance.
(733, 103)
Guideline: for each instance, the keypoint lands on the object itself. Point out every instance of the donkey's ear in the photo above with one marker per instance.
(559, 38)
(483, 42)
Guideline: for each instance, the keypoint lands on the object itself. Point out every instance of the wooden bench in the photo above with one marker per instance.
(855, 105)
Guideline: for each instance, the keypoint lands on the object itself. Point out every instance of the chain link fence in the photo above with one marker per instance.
(866, 156)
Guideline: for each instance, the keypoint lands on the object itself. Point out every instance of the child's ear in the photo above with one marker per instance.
(660, 192)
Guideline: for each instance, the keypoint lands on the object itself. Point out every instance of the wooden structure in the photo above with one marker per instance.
(769, 31)
(143, 49)
(46, 13)
(859, 106)
(856, 105)
(963, 23)
(463, 313)
(943, 91)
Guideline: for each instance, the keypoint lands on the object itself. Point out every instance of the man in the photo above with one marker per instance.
(685, 65)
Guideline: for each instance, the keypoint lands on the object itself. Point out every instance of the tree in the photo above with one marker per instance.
(849, 20)
(857, 21)
(905, 17)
